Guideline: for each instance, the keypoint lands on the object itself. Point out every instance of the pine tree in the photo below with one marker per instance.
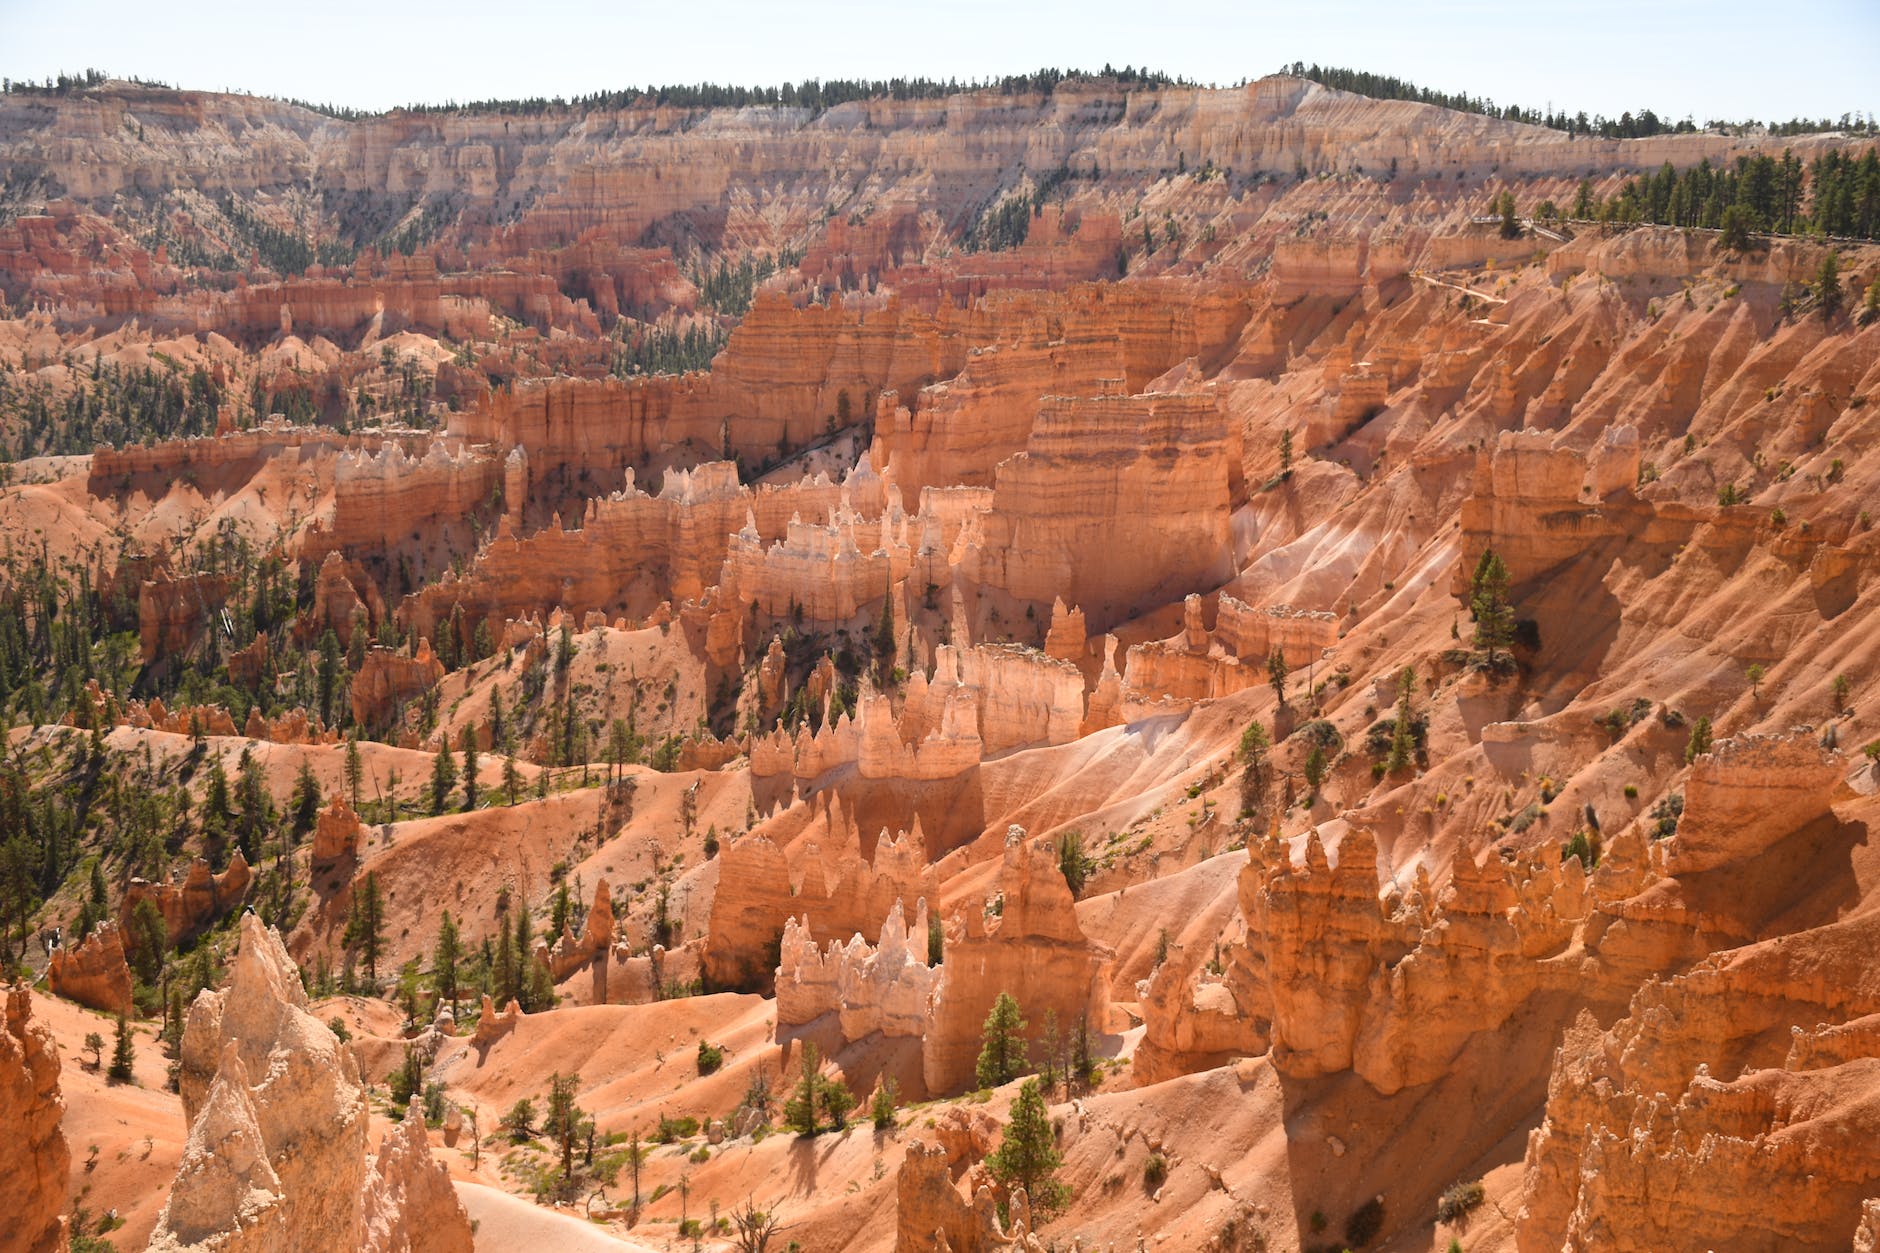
(1315, 770)
(328, 674)
(146, 939)
(564, 1119)
(1254, 742)
(836, 1100)
(355, 770)
(468, 741)
(443, 776)
(1828, 286)
(257, 807)
(1002, 1051)
(1276, 675)
(1028, 1157)
(444, 962)
(881, 1105)
(1510, 225)
(507, 989)
(123, 1055)
(1699, 743)
(799, 1112)
(1494, 616)
(306, 803)
(365, 928)
(884, 643)
(1285, 451)
(1737, 223)
(512, 778)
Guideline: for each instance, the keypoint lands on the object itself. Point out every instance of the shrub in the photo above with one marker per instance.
(1666, 814)
(1075, 865)
(710, 1058)
(1523, 820)
(881, 1106)
(702, 1153)
(1154, 1171)
(1584, 846)
(1458, 1199)
(408, 1080)
(671, 1129)
(1631, 791)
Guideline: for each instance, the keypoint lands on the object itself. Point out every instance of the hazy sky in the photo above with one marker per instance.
(1705, 58)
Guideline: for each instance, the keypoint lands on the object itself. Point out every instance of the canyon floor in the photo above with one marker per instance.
(1216, 669)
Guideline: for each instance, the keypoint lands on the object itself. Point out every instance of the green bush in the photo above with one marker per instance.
(710, 1058)
(671, 1129)
(1154, 1171)
(1458, 1199)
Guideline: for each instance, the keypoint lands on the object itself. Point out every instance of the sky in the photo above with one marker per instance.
(1699, 58)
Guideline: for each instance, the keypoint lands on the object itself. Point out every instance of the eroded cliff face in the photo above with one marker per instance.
(1657, 1128)
(950, 544)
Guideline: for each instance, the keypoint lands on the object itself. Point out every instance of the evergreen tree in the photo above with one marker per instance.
(443, 776)
(1584, 204)
(623, 747)
(444, 962)
(1276, 675)
(1028, 1157)
(1254, 742)
(1828, 286)
(365, 927)
(499, 730)
(306, 804)
(836, 1100)
(328, 671)
(1315, 769)
(799, 1112)
(564, 1118)
(1073, 862)
(1699, 743)
(1002, 1049)
(355, 770)
(1510, 224)
(146, 939)
(512, 778)
(506, 988)
(884, 643)
(257, 808)
(1494, 616)
(881, 1106)
(468, 742)
(1736, 224)
(123, 1055)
